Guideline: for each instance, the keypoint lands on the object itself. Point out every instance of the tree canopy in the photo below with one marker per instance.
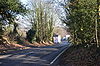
(82, 20)
(9, 9)
(42, 24)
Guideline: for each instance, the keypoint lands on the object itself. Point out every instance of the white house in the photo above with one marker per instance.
(67, 36)
(57, 38)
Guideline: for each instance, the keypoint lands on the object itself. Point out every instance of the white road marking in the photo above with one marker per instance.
(59, 55)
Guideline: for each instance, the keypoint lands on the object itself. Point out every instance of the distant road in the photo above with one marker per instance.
(38, 56)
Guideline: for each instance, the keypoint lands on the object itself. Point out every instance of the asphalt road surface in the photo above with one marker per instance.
(36, 56)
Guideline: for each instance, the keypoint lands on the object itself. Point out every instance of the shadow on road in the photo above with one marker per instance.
(40, 56)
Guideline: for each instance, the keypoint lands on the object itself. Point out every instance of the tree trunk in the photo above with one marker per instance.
(96, 23)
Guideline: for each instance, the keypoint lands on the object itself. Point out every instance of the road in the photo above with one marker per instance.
(36, 56)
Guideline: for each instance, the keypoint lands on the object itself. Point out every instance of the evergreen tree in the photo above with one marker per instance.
(82, 21)
(8, 12)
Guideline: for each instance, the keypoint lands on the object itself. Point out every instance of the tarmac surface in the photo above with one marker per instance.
(36, 56)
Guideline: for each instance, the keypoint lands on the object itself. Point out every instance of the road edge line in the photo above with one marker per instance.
(59, 55)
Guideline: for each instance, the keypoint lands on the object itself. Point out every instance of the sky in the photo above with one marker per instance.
(58, 10)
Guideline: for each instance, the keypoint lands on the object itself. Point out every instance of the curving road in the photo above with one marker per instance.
(36, 56)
